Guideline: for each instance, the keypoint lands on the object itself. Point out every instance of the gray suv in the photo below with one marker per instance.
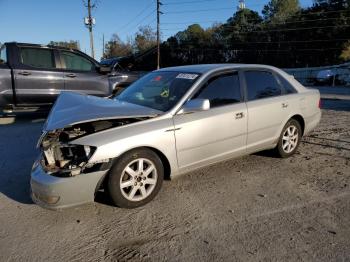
(34, 75)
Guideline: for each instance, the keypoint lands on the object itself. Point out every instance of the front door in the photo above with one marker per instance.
(220, 132)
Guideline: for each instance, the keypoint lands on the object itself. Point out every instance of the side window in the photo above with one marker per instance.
(289, 89)
(261, 84)
(76, 62)
(221, 90)
(3, 56)
(37, 57)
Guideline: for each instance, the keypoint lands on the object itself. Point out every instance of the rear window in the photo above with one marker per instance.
(261, 84)
(76, 62)
(37, 57)
(288, 88)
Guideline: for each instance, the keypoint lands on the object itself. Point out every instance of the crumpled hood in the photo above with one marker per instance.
(73, 108)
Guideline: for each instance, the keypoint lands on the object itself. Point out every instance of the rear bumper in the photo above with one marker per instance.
(61, 192)
(312, 122)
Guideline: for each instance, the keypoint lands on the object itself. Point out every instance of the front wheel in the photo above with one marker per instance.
(136, 178)
(289, 139)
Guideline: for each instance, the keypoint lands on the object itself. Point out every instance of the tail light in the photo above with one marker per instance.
(319, 104)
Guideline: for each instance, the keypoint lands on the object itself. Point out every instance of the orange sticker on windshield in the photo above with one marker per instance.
(157, 78)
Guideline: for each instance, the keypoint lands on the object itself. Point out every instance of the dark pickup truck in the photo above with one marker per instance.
(32, 76)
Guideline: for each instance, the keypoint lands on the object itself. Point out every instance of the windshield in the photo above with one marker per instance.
(159, 90)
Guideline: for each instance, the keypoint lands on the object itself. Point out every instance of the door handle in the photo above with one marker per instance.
(284, 105)
(71, 75)
(239, 115)
(24, 73)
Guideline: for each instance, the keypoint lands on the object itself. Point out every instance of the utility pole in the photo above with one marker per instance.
(89, 22)
(158, 33)
(103, 45)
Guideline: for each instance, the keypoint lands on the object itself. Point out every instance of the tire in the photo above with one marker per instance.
(136, 178)
(289, 139)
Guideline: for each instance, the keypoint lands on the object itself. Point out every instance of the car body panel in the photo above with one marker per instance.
(73, 108)
(89, 83)
(39, 86)
(71, 191)
(6, 92)
(264, 120)
(215, 134)
(156, 133)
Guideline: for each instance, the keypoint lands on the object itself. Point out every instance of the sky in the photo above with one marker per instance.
(42, 21)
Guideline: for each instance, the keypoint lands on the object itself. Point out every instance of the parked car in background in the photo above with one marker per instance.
(34, 75)
(335, 76)
(167, 123)
(123, 65)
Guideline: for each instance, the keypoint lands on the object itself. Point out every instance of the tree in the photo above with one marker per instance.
(280, 10)
(345, 54)
(72, 44)
(117, 48)
(145, 39)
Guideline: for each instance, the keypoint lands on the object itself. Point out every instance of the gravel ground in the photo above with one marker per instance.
(255, 208)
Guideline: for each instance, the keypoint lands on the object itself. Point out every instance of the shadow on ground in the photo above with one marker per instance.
(18, 137)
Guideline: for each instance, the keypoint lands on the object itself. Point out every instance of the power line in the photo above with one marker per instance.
(182, 42)
(257, 50)
(272, 30)
(140, 21)
(137, 16)
(230, 8)
(200, 10)
(248, 20)
(188, 2)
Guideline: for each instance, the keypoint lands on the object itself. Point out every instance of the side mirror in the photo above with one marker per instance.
(195, 105)
(104, 69)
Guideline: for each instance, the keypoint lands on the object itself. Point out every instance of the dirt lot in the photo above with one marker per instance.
(256, 208)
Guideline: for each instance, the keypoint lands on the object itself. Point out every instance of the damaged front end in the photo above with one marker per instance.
(62, 158)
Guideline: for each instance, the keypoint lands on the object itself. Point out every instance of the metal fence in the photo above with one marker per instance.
(336, 75)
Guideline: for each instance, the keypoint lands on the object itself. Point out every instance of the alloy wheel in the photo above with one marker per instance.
(138, 179)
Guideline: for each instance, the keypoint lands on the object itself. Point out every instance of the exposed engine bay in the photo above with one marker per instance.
(62, 158)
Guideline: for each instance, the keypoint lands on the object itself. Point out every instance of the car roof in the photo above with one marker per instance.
(40, 45)
(206, 68)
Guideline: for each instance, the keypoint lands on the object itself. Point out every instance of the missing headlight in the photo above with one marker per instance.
(66, 159)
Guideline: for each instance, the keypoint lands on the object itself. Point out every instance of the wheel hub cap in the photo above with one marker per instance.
(290, 139)
(138, 179)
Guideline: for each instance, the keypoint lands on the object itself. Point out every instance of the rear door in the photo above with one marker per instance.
(81, 75)
(267, 106)
(38, 79)
(215, 134)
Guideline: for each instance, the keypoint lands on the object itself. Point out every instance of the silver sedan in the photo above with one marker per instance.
(168, 123)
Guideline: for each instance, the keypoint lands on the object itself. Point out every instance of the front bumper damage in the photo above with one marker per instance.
(60, 192)
(63, 176)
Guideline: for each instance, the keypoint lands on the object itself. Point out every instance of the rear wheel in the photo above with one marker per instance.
(289, 139)
(136, 178)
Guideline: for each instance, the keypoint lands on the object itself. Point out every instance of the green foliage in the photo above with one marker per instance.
(345, 54)
(72, 44)
(145, 39)
(117, 48)
(286, 36)
(280, 10)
